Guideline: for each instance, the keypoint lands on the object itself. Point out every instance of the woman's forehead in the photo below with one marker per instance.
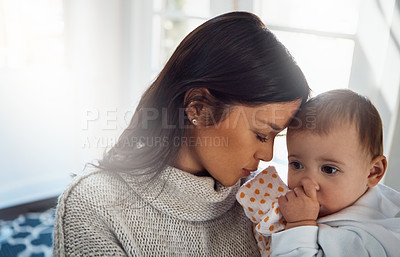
(274, 115)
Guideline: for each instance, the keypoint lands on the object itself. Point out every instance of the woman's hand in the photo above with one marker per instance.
(300, 206)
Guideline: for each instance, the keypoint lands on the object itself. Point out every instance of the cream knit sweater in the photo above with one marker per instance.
(179, 214)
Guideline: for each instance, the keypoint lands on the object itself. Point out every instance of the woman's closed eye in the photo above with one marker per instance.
(262, 138)
(329, 170)
(296, 165)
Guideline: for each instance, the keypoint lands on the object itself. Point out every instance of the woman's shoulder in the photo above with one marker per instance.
(95, 188)
(90, 212)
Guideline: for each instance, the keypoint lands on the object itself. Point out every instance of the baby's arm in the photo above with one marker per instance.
(300, 206)
(302, 238)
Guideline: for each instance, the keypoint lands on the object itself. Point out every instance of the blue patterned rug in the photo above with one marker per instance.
(28, 235)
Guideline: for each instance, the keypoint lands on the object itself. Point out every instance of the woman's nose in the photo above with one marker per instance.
(266, 152)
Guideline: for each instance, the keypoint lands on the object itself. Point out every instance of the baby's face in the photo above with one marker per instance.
(334, 162)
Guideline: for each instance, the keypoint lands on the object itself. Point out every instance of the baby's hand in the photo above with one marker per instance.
(300, 206)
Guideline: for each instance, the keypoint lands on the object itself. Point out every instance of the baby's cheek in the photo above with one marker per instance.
(291, 182)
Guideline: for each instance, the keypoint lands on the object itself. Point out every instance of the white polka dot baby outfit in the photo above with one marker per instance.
(259, 199)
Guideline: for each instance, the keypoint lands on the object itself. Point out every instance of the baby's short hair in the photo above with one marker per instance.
(334, 108)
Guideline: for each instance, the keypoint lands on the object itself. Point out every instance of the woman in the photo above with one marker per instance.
(168, 186)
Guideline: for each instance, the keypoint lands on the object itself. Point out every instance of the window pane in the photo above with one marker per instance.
(326, 62)
(187, 7)
(328, 15)
(168, 33)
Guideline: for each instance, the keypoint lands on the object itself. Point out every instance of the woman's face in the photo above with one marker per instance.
(234, 147)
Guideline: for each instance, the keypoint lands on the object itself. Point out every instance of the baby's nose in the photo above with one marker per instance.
(307, 181)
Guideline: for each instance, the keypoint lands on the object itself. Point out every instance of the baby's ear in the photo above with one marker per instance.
(377, 169)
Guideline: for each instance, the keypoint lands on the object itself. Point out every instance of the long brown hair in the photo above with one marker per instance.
(236, 58)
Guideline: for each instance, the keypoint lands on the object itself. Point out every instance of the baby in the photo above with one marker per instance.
(333, 205)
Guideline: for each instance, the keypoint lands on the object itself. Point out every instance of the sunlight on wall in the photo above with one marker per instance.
(31, 33)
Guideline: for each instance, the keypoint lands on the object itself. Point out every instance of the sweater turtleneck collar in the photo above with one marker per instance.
(183, 195)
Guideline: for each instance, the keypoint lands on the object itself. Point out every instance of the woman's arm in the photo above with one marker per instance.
(80, 231)
(85, 224)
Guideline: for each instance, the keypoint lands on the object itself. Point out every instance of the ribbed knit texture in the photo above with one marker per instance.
(178, 214)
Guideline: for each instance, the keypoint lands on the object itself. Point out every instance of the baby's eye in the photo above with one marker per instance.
(329, 170)
(296, 165)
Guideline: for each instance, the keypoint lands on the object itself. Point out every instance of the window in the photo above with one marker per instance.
(173, 20)
(328, 26)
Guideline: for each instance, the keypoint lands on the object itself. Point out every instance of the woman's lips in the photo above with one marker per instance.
(247, 172)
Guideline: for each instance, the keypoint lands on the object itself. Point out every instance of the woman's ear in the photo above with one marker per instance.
(377, 169)
(196, 106)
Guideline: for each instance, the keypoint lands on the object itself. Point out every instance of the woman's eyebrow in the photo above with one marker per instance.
(272, 125)
(275, 127)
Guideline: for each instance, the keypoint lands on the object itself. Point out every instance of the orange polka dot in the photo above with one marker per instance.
(266, 194)
(265, 171)
(268, 248)
(270, 185)
(260, 212)
(277, 210)
(280, 189)
(260, 238)
(248, 185)
(262, 201)
(277, 197)
(254, 219)
(261, 181)
(273, 204)
(250, 209)
(257, 191)
(259, 248)
(259, 226)
(266, 219)
(242, 195)
(274, 175)
(271, 228)
(252, 199)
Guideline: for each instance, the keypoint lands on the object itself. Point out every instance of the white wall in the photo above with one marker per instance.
(376, 72)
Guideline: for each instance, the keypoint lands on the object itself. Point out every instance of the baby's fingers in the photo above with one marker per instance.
(282, 200)
(299, 191)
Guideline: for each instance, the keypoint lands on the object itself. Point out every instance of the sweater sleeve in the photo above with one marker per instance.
(81, 229)
(324, 240)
